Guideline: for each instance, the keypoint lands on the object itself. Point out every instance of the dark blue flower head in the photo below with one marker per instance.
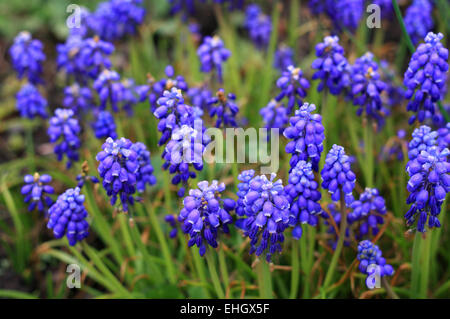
(393, 94)
(93, 56)
(27, 57)
(369, 211)
(118, 168)
(110, 89)
(183, 151)
(258, 25)
(371, 261)
(307, 134)
(428, 185)
(104, 125)
(419, 19)
(67, 59)
(330, 65)
(423, 138)
(172, 112)
(144, 175)
(212, 55)
(172, 221)
(293, 86)
(35, 191)
(223, 107)
(347, 13)
(67, 216)
(267, 215)
(274, 115)
(115, 19)
(367, 88)
(284, 57)
(157, 88)
(30, 102)
(64, 130)
(304, 197)
(243, 187)
(425, 77)
(337, 175)
(78, 98)
(204, 213)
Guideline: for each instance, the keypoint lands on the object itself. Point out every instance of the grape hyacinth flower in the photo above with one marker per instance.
(67, 216)
(205, 213)
(185, 147)
(64, 130)
(36, 191)
(118, 168)
(258, 25)
(330, 65)
(423, 138)
(275, 115)
(93, 56)
(284, 57)
(27, 57)
(30, 102)
(78, 98)
(337, 175)
(109, 88)
(267, 215)
(243, 187)
(224, 107)
(155, 89)
(307, 134)
(304, 197)
(425, 78)
(200, 97)
(212, 55)
(68, 58)
(171, 113)
(368, 211)
(104, 125)
(367, 88)
(347, 13)
(368, 255)
(293, 86)
(419, 20)
(115, 19)
(144, 176)
(428, 185)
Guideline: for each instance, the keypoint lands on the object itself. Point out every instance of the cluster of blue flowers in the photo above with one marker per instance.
(428, 185)
(274, 115)
(372, 262)
(78, 98)
(304, 197)
(212, 54)
(68, 216)
(205, 213)
(266, 208)
(27, 56)
(284, 57)
(258, 25)
(36, 191)
(330, 65)
(307, 134)
(367, 87)
(104, 125)
(419, 19)
(337, 175)
(293, 86)
(223, 107)
(425, 78)
(124, 168)
(64, 130)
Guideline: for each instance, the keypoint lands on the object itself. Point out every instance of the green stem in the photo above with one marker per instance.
(214, 276)
(368, 145)
(391, 293)
(311, 243)
(198, 261)
(415, 265)
(264, 280)
(295, 273)
(163, 244)
(340, 244)
(223, 269)
(425, 273)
